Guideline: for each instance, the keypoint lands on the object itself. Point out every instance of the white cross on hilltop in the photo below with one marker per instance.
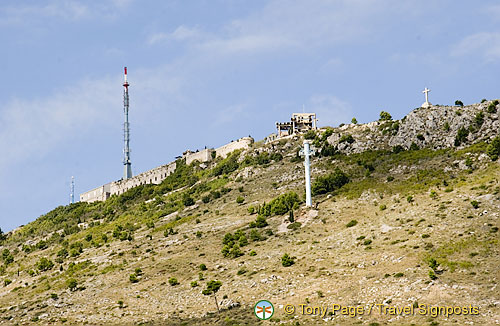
(427, 103)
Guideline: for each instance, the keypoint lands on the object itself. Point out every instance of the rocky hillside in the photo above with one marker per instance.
(412, 226)
(433, 127)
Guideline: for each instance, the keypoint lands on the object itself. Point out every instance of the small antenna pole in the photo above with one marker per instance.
(72, 193)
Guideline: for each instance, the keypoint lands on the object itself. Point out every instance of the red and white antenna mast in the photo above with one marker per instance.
(127, 171)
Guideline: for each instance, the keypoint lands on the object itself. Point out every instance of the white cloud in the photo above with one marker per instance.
(181, 33)
(293, 26)
(31, 128)
(69, 10)
(229, 114)
(330, 110)
(485, 44)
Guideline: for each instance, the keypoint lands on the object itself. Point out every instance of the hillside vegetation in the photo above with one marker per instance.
(399, 226)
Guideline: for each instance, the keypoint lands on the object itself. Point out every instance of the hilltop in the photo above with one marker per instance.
(405, 214)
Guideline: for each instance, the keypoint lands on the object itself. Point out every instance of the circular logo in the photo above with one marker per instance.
(263, 310)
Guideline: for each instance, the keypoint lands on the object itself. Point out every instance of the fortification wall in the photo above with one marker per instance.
(154, 176)
(157, 175)
(224, 150)
(98, 194)
(204, 155)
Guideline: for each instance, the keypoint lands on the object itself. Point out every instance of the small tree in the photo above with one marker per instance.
(385, 116)
(72, 284)
(212, 288)
(354, 121)
(287, 261)
(493, 149)
(459, 103)
(44, 264)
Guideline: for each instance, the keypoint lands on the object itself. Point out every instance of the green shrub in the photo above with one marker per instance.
(433, 264)
(383, 207)
(492, 108)
(252, 253)
(187, 200)
(243, 241)
(420, 137)
(351, 223)
(409, 199)
(194, 284)
(493, 149)
(294, 226)
(390, 178)
(479, 119)
(255, 236)
(446, 126)
(6, 282)
(461, 136)
(280, 205)
(261, 222)
(310, 134)
(173, 281)
(133, 278)
(203, 267)
(240, 200)
(287, 261)
(227, 165)
(330, 182)
(397, 149)
(399, 274)
(205, 199)
(474, 204)
(138, 271)
(414, 147)
(385, 116)
(432, 275)
(347, 138)
(44, 264)
(367, 242)
(71, 284)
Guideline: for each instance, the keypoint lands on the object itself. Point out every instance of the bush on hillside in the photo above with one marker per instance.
(385, 116)
(493, 149)
(330, 182)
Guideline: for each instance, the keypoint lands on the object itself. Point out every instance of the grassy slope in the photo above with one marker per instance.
(334, 263)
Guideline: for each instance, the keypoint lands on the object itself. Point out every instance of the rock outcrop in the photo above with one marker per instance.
(433, 127)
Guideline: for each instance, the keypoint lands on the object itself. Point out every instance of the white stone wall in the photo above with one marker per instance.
(224, 150)
(154, 176)
(157, 175)
(98, 194)
(204, 155)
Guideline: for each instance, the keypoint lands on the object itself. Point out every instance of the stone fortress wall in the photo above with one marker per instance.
(157, 175)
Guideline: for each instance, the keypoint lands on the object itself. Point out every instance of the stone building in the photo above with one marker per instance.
(299, 122)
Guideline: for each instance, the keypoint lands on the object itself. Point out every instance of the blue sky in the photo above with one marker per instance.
(205, 72)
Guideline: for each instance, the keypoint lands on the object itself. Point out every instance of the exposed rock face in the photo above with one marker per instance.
(433, 127)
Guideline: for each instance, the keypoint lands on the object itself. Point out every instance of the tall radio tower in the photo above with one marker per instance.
(127, 171)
